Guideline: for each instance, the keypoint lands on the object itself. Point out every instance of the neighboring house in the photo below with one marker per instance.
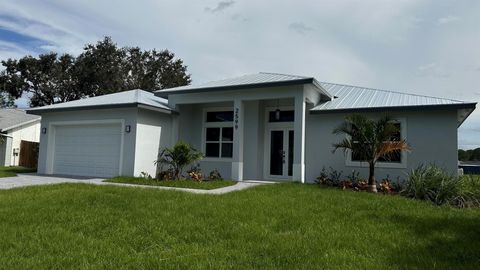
(470, 167)
(16, 126)
(262, 126)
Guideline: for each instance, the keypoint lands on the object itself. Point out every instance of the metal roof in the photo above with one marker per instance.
(258, 80)
(121, 99)
(12, 118)
(349, 97)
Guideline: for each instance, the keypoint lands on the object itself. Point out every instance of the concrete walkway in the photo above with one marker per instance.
(25, 180)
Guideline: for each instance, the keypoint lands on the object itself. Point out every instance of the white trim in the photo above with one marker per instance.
(220, 125)
(401, 165)
(51, 139)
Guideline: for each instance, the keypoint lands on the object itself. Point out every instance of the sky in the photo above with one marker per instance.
(413, 46)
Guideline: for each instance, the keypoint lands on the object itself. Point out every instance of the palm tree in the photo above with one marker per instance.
(370, 140)
(178, 157)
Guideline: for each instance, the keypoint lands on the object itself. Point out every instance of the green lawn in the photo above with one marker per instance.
(178, 183)
(281, 226)
(12, 171)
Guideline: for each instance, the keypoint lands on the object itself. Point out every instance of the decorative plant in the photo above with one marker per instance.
(330, 178)
(145, 175)
(215, 175)
(165, 175)
(335, 176)
(371, 140)
(386, 186)
(195, 173)
(322, 179)
(178, 157)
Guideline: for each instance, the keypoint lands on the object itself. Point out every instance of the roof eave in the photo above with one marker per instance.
(41, 111)
(164, 93)
(395, 108)
(21, 124)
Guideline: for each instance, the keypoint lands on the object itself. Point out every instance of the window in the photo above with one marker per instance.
(219, 134)
(284, 116)
(220, 116)
(396, 157)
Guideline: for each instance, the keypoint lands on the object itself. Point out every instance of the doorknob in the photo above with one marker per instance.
(283, 157)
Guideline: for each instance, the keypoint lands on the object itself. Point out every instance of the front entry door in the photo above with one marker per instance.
(281, 153)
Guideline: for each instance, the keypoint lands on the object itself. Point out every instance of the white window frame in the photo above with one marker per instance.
(399, 165)
(220, 125)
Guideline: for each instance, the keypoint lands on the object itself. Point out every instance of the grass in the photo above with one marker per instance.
(12, 171)
(177, 183)
(281, 226)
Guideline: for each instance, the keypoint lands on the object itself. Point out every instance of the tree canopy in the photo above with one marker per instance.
(101, 68)
(469, 155)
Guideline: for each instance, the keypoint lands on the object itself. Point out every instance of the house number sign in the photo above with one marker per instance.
(236, 118)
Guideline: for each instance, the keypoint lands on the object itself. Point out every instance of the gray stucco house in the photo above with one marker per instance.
(263, 126)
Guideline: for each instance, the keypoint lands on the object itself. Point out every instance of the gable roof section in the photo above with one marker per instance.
(12, 118)
(258, 80)
(130, 98)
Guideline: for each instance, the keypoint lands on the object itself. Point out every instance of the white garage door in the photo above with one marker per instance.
(87, 150)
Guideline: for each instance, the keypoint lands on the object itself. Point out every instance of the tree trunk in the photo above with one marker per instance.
(372, 184)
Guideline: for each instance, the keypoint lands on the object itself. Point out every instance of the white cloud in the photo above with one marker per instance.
(448, 19)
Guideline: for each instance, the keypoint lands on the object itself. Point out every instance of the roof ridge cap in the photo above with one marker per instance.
(284, 74)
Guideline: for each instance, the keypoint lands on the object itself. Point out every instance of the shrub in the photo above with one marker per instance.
(434, 184)
(145, 175)
(331, 178)
(178, 157)
(165, 175)
(215, 175)
(195, 173)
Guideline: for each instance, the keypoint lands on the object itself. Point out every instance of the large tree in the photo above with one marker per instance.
(101, 68)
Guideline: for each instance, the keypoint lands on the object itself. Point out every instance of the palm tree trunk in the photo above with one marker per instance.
(372, 184)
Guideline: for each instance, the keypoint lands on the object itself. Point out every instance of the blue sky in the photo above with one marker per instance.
(413, 46)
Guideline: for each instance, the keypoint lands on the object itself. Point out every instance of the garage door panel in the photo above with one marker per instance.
(89, 150)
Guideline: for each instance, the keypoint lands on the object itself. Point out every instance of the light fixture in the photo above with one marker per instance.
(277, 112)
(44, 130)
(127, 128)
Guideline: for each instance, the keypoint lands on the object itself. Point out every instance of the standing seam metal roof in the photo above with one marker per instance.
(131, 97)
(250, 79)
(348, 97)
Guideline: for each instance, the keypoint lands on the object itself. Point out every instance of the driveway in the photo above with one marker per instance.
(31, 179)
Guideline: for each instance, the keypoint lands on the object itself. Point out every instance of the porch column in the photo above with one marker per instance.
(238, 123)
(299, 139)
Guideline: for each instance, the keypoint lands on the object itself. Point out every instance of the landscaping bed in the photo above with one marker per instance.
(426, 182)
(13, 170)
(184, 183)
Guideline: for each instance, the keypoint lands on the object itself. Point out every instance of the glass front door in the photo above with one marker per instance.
(281, 153)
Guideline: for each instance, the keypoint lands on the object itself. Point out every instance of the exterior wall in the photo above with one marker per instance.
(29, 132)
(127, 115)
(153, 134)
(431, 134)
